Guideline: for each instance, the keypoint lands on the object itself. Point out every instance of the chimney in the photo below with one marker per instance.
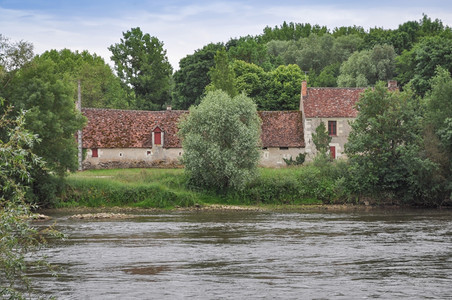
(168, 107)
(304, 93)
(392, 84)
(304, 88)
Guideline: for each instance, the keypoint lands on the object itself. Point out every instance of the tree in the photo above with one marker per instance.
(385, 148)
(100, 88)
(48, 98)
(192, 77)
(419, 64)
(438, 119)
(222, 75)
(141, 64)
(221, 138)
(18, 239)
(283, 89)
(13, 56)
(366, 67)
(321, 140)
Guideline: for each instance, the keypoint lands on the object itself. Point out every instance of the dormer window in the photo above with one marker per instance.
(157, 136)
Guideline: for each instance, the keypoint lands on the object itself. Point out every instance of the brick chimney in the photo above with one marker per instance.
(304, 88)
(304, 93)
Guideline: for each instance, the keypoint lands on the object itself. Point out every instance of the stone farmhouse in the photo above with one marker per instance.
(131, 138)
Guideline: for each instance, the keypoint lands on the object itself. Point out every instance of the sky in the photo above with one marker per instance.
(185, 26)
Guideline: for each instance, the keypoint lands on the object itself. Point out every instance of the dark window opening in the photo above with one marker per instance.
(283, 148)
(332, 128)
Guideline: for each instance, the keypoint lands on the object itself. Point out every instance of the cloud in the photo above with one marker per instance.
(184, 27)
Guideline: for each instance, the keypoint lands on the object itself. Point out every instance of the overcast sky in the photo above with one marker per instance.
(184, 26)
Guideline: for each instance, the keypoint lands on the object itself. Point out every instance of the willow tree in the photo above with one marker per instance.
(221, 138)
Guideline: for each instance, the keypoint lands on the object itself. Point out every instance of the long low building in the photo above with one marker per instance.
(131, 138)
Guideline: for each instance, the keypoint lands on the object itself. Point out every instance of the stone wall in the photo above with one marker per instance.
(343, 131)
(158, 157)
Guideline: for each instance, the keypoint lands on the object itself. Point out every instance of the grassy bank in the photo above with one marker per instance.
(166, 188)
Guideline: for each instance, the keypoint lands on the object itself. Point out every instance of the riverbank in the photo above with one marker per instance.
(304, 187)
(168, 189)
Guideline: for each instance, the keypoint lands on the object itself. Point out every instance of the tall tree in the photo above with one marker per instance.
(221, 138)
(141, 63)
(192, 77)
(282, 89)
(47, 96)
(438, 122)
(222, 75)
(13, 56)
(366, 67)
(419, 64)
(385, 148)
(100, 87)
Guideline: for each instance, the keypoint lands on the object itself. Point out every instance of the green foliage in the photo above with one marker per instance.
(221, 139)
(249, 50)
(366, 67)
(282, 89)
(222, 75)
(291, 31)
(299, 160)
(418, 65)
(141, 63)
(384, 148)
(47, 96)
(321, 139)
(192, 77)
(100, 88)
(18, 238)
(438, 119)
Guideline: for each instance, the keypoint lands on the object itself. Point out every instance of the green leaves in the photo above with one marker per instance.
(141, 64)
(221, 139)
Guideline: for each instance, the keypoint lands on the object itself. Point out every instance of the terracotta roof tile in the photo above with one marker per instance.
(282, 129)
(110, 128)
(331, 102)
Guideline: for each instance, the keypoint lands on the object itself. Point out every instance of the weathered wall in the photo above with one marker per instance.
(343, 131)
(109, 158)
(272, 157)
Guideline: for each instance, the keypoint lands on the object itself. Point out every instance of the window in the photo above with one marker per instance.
(332, 128)
(283, 148)
(157, 136)
(333, 152)
(94, 152)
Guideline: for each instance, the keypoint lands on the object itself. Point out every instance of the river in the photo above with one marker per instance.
(385, 254)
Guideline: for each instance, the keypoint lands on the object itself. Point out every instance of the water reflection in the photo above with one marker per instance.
(236, 255)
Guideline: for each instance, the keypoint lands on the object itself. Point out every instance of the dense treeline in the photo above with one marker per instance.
(345, 56)
(268, 68)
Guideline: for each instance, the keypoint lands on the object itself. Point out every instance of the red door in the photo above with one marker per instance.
(333, 152)
(157, 136)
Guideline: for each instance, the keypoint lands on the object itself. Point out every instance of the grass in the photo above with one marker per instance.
(167, 188)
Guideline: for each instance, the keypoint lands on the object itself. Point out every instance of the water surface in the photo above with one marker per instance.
(255, 255)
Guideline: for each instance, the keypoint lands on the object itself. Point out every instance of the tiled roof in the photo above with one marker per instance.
(282, 129)
(331, 102)
(110, 128)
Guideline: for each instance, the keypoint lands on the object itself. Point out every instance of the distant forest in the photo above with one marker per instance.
(268, 67)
